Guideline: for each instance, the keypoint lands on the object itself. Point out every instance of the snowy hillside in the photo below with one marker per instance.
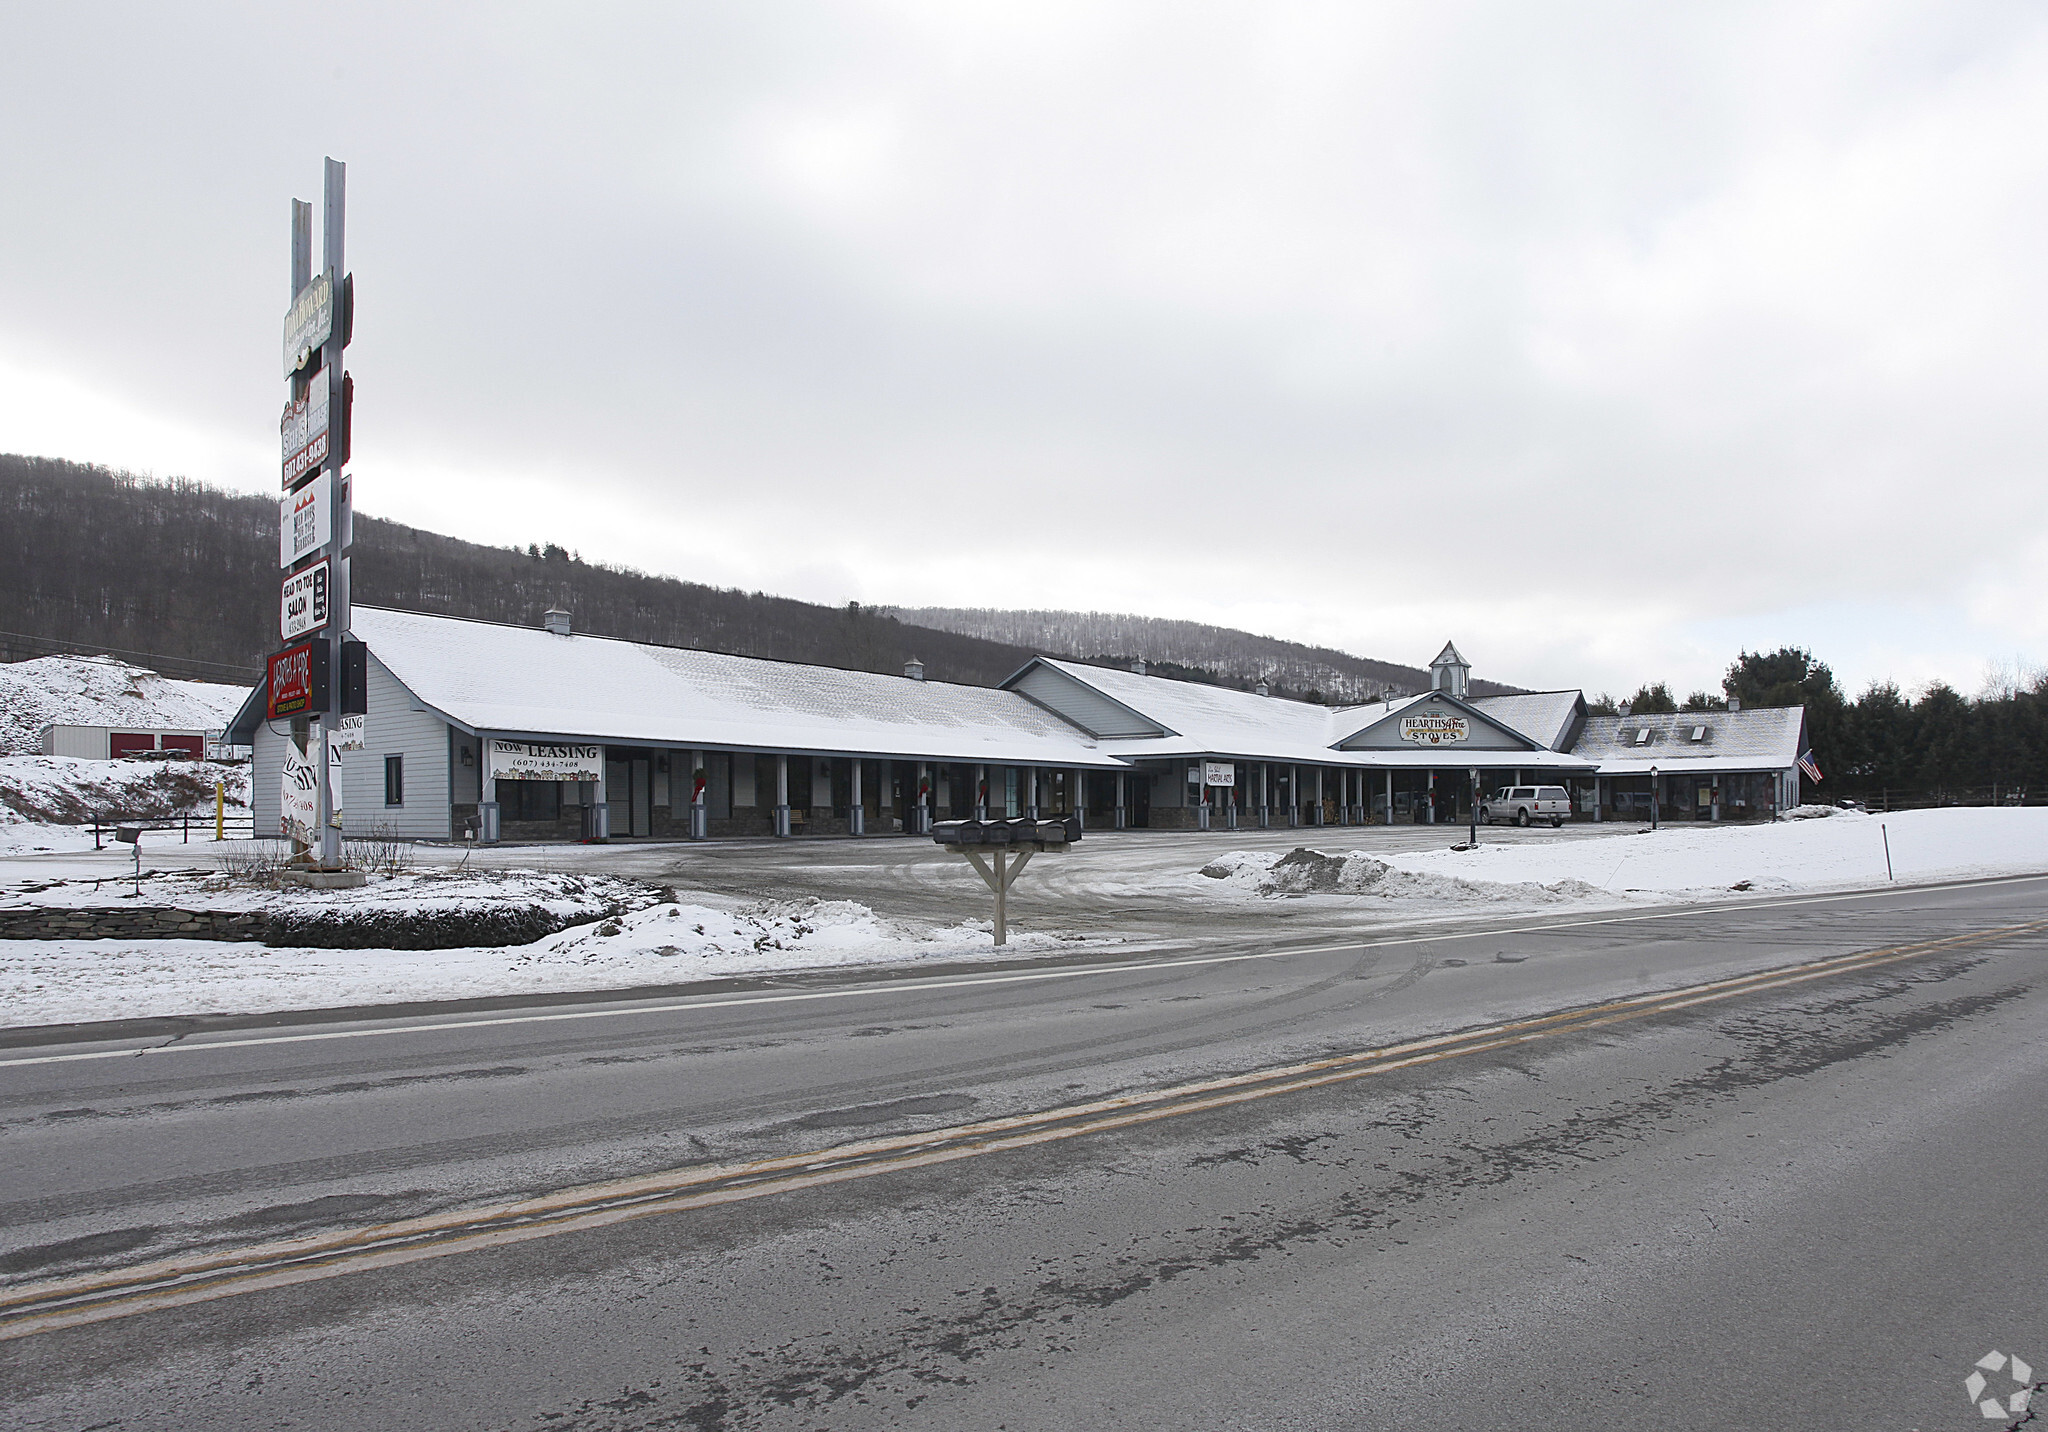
(100, 691)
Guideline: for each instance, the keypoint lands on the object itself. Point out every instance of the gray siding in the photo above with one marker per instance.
(1082, 704)
(395, 726)
(1385, 734)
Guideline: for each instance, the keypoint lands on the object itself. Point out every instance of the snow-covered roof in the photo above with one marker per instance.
(1759, 739)
(524, 681)
(1544, 716)
(100, 691)
(1219, 721)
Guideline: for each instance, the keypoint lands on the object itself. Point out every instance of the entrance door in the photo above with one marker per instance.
(1138, 790)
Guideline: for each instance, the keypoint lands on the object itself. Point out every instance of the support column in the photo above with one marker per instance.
(1390, 796)
(981, 792)
(781, 812)
(1599, 798)
(1029, 775)
(1317, 818)
(919, 822)
(1077, 796)
(856, 813)
(1265, 795)
(700, 817)
(601, 816)
(1122, 815)
(1293, 796)
(1432, 796)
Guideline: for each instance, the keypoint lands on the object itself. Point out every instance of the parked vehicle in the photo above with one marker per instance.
(1525, 805)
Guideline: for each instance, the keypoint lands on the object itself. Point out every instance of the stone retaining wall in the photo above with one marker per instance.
(370, 929)
(137, 922)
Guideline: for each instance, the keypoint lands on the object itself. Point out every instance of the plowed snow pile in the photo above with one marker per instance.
(100, 691)
(1310, 872)
(1830, 851)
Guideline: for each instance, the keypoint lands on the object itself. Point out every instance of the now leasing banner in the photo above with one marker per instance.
(301, 806)
(1436, 728)
(536, 761)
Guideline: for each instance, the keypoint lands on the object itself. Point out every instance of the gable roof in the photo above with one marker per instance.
(1202, 720)
(1545, 716)
(486, 677)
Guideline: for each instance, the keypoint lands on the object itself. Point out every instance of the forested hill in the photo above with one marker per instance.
(184, 577)
(1236, 657)
(187, 574)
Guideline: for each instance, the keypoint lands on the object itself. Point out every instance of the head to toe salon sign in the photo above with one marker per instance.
(1436, 728)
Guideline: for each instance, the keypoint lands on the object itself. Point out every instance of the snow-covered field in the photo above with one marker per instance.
(48, 802)
(63, 981)
(668, 941)
(1678, 862)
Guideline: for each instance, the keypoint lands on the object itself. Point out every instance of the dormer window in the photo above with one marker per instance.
(1643, 736)
(1699, 733)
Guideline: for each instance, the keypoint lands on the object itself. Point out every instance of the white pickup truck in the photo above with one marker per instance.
(1525, 804)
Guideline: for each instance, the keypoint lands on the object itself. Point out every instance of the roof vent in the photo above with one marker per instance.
(1735, 703)
(556, 621)
(1624, 711)
(914, 669)
(1138, 667)
(1262, 689)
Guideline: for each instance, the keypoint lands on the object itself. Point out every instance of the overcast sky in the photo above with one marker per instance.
(1607, 339)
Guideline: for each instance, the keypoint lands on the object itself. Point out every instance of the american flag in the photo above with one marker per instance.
(1810, 766)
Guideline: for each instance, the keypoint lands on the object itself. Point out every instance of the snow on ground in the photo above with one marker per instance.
(407, 892)
(65, 981)
(1676, 862)
(46, 802)
(100, 691)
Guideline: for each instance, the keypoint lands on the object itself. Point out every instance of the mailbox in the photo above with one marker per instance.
(959, 832)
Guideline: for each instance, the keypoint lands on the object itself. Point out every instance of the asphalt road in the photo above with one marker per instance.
(1257, 1187)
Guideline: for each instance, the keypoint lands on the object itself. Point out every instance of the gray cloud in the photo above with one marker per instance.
(1603, 338)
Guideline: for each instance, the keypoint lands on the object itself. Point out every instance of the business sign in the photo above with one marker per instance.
(348, 735)
(334, 750)
(309, 324)
(1219, 773)
(537, 761)
(1436, 728)
(298, 680)
(303, 602)
(302, 431)
(305, 520)
(299, 810)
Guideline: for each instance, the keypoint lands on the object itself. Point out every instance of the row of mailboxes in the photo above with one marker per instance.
(1023, 831)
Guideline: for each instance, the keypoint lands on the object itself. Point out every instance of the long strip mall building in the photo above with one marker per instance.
(481, 730)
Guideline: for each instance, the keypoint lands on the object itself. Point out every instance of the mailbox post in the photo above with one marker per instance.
(1000, 849)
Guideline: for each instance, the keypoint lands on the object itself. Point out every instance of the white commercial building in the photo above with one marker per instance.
(476, 728)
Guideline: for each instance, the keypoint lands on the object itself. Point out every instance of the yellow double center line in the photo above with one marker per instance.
(69, 1302)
